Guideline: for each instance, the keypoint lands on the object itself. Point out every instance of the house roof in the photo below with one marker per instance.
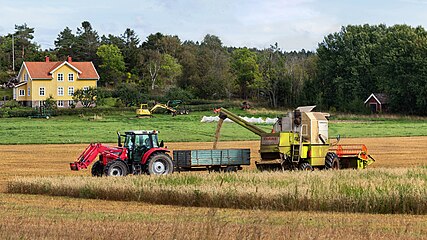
(44, 70)
(381, 98)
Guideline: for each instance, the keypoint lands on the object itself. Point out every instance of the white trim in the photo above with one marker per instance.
(68, 64)
(95, 71)
(29, 92)
(18, 85)
(373, 95)
(20, 71)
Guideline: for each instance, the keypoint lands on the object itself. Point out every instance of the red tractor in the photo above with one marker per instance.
(140, 153)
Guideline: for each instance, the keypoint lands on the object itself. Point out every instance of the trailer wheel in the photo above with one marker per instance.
(332, 161)
(305, 166)
(115, 169)
(160, 164)
(97, 169)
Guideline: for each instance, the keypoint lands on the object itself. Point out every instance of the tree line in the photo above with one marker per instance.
(345, 69)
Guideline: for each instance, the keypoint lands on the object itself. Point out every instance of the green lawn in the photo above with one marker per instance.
(182, 128)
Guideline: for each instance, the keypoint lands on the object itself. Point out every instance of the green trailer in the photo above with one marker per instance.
(226, 160)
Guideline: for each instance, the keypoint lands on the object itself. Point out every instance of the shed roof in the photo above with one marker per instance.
(381, 98)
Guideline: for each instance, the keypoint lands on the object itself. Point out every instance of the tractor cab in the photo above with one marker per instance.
(139, 142)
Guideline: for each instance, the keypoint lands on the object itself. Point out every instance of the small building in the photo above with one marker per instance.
(37, 81)
(377, 102)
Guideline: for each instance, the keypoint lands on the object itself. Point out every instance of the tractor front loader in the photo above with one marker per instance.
(140, 153)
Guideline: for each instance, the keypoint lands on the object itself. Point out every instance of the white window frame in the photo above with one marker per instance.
(60, 91)
(21, 92)
(72, 77)
(60, 103)
(85, 88)
(40, 91)
(70, 93)
(26, 77)
(29, 92)
(70, 103)
(60, 77)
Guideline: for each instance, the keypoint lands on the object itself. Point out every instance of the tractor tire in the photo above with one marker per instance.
(116, 168)
(305, 166)
(160, 164)
(332, 162)
(97, 169)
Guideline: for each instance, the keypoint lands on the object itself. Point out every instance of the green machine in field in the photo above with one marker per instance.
(300, 140)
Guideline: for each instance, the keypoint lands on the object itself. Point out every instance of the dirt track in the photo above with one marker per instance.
(48, 160)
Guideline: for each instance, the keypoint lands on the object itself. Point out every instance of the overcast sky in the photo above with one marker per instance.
(293, 24)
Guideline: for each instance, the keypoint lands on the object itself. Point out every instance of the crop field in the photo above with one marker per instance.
(27, 216)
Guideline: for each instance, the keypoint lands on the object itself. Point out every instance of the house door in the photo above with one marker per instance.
(373, 107)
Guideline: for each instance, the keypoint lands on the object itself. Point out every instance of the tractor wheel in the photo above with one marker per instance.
(305, 166)
(97, 169)
(115, 169)
(332, 161)
(160, 164)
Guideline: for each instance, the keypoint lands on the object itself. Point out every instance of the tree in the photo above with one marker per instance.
(87, 97)
(273, 71)
(87, 43)
(245, 67)
(130, 94)
(65, 43)
(112, 63)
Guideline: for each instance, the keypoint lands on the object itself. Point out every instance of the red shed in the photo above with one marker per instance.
(377, 102)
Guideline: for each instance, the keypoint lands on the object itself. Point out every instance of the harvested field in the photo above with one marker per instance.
(52, 160)
(30, 217)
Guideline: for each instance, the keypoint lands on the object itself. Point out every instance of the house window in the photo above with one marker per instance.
(26, 77)
(60, 91)
(60, 103)
(41, 103)
(85, 88)
(70, 91)
(41, 91)
(70, 77)
(29, 92)
(21, 92)
(60, 77)
(70, 103)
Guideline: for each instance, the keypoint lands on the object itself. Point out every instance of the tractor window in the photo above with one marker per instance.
(155, 141)
(143, 140)
(128, 141)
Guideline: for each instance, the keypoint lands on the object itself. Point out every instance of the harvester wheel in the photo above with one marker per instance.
(160, 164)
(332, 161)
(305, 166)
(115, 169)
(97, 169)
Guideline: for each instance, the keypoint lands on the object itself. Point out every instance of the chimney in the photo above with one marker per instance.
(69, 59)
(47, 58)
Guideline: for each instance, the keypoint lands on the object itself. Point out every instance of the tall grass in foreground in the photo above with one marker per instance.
(370, 191)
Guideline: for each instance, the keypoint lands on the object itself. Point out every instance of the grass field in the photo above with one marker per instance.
(80, 129)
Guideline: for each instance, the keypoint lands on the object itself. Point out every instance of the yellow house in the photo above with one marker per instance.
(40, 80)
